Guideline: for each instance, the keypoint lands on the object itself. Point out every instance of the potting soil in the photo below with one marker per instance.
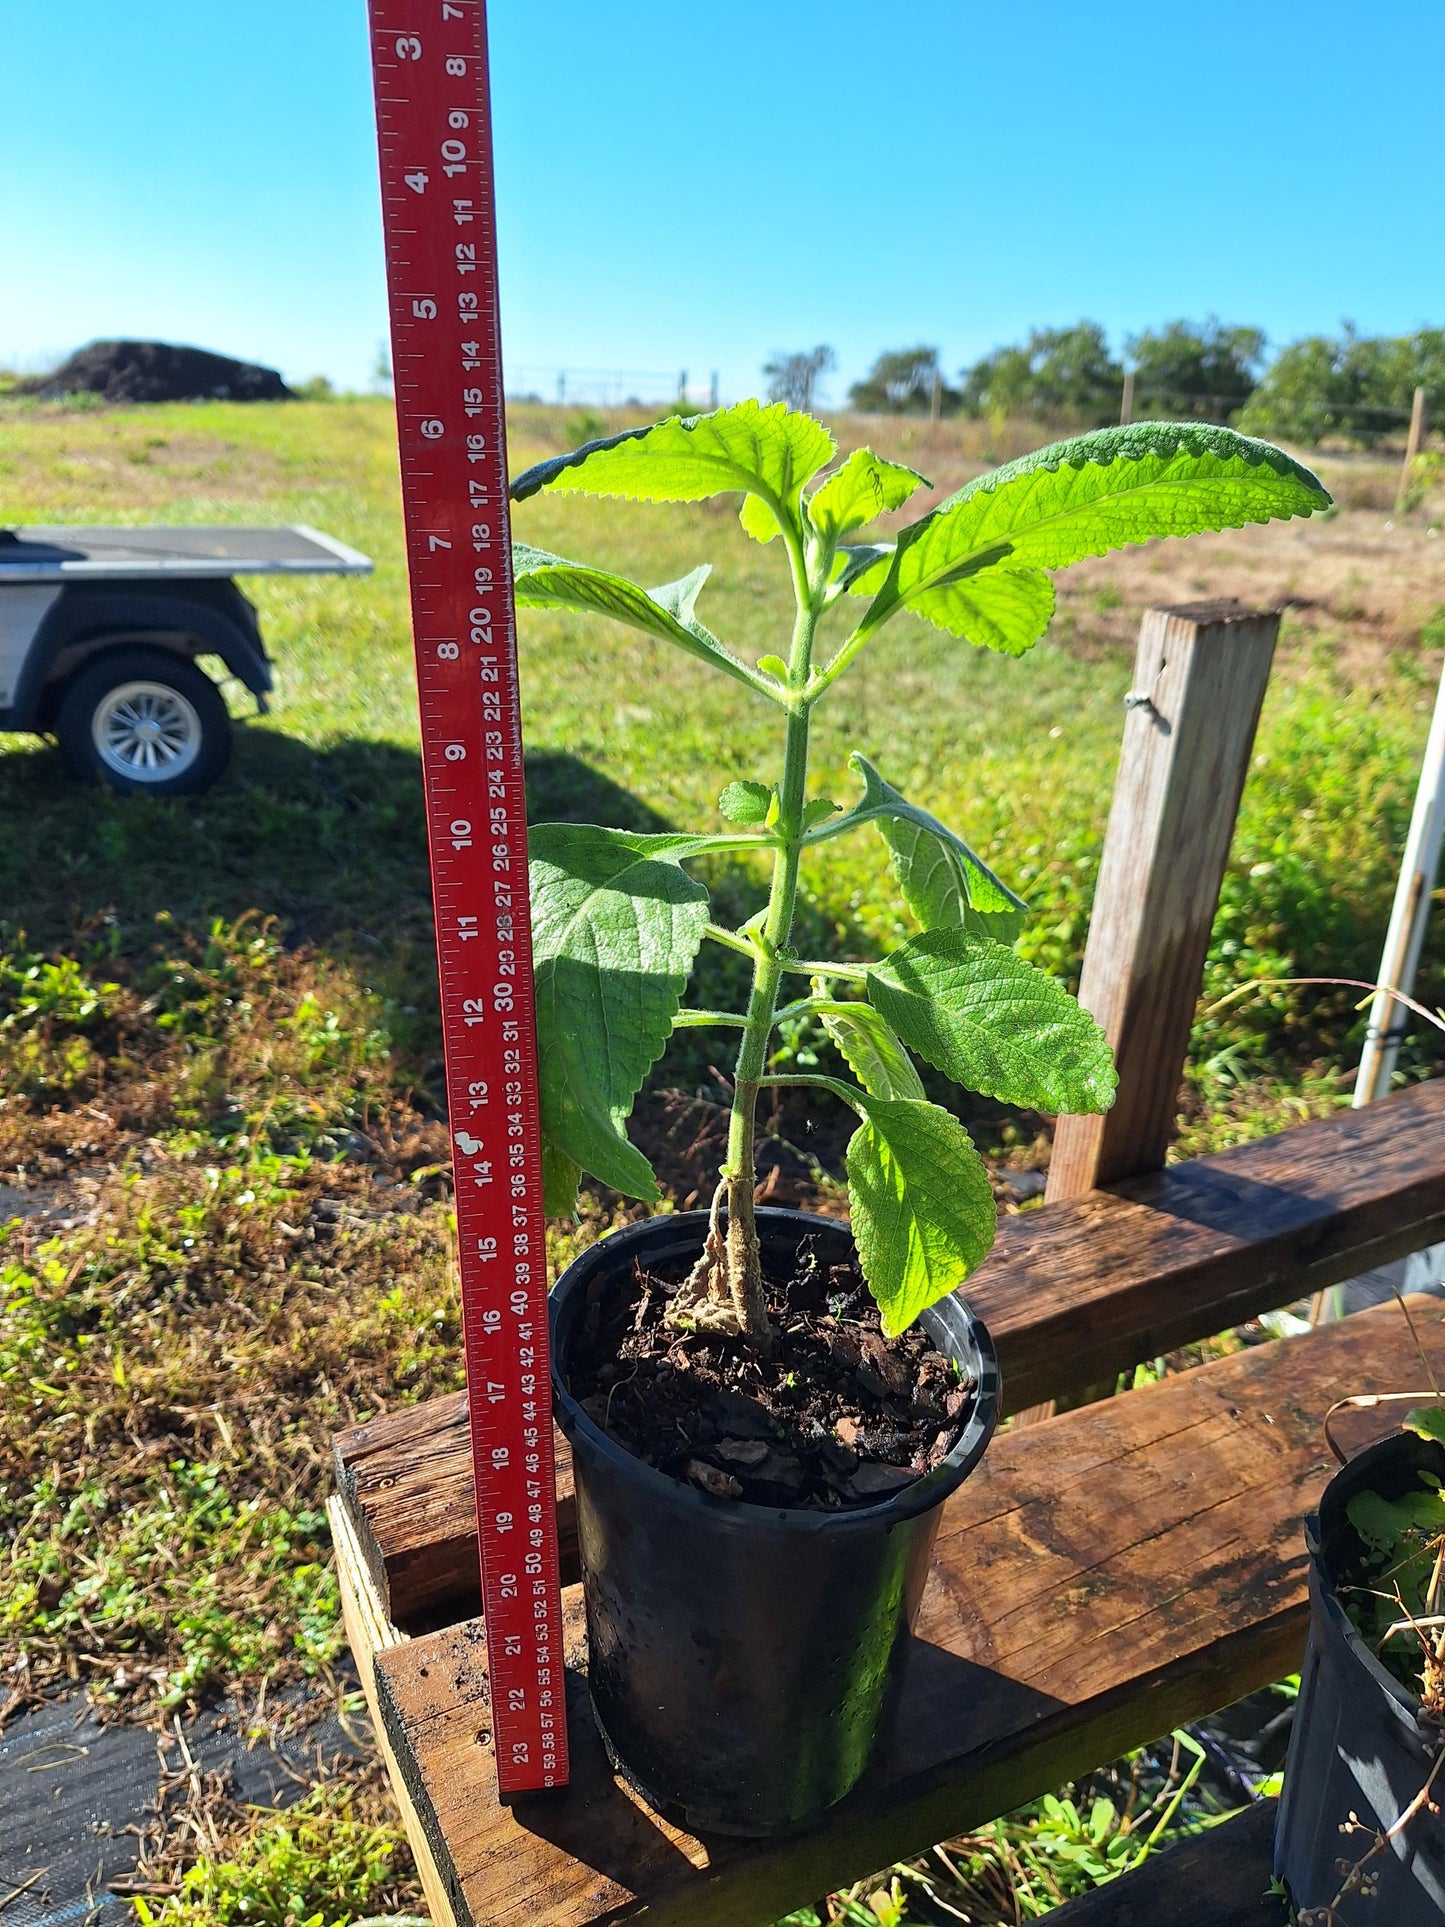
(824, 1413)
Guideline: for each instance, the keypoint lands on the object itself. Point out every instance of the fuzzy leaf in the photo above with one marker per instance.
(873, 1052)
(1085, 497)
(560, 1179)
(995, 608)
(850, 564)
(745, 802)
(616, 924)
(1428, 1421)
(864, 488)
(944, 882)
(544, 581)
(922, 1206)
(768, 451)
(994, 1023)
(758, 519)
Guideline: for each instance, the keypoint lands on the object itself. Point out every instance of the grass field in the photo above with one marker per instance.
(225, 1224)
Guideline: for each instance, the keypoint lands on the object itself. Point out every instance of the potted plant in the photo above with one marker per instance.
(1361, 1834)
(767, 1412)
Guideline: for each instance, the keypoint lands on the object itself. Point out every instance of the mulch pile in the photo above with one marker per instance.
(133, 371)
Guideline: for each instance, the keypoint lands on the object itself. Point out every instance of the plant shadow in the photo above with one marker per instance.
(327, 844)
(330, 842)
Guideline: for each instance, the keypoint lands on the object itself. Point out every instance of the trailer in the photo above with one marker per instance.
(101, 628)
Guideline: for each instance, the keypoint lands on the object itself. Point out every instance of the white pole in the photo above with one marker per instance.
(1406, 935)
(1389, 1019)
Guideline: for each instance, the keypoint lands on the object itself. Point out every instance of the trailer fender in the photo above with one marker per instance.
(195, 618)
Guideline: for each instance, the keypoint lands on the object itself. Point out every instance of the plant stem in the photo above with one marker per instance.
(744, 1268)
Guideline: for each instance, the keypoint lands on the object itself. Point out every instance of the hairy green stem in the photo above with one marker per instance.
(744, 1270)
(855, 973)
(729, 939)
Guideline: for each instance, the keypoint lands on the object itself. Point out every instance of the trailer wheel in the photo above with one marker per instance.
(144, 721)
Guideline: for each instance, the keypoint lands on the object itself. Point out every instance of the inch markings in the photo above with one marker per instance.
(434, 136)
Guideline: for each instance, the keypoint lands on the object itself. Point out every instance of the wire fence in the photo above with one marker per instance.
(1363, 423)
(609, 387)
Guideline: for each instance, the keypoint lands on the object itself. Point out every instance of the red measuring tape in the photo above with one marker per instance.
(429, 58)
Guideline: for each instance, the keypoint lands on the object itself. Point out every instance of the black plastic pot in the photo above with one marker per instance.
(1360, 1750)
(740, 1658)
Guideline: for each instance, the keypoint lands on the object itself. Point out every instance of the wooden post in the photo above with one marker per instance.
(935, 400)
(1412, 446)
(1126, 406)
(1199, 680)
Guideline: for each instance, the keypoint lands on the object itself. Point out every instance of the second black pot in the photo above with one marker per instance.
(740, 1657)
(1360, 1749)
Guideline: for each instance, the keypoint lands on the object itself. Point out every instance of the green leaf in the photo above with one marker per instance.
(616, 924)
(995, 608)
(745, 802)
(544, 581)
(944, 882)
(994, 1023)
(873, 1052)
(560, 1179)
(923, 1211)
(1428, 1421)
(850, 564)
(818, 811)
(1078, 498)
(758, 519)
(768, 451)
(864, 488)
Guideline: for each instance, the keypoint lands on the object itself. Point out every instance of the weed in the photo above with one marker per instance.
(321, 1864)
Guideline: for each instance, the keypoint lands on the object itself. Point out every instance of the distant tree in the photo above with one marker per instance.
(793, 378)
(902, 382)
(1356, 387)
(1060, 372)
(1188, 368)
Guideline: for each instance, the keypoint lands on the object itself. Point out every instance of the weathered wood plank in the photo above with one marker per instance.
(1100, 1579)
(406, 1478)
(1073, 1294)
(1219, 1879)
(1199, 680)
(369, 1632)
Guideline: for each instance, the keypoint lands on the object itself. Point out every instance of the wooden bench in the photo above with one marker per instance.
(1105, 1574)
(1073, 1293)
(1154, 1574)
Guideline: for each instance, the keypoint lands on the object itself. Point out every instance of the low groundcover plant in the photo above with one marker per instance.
(618, 920)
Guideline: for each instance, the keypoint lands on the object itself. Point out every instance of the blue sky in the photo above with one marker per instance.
(690, 186)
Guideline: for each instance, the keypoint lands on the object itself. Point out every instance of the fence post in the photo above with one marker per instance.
(1126, 406)
(1199, 681)
(935, 399)
(1412, 446)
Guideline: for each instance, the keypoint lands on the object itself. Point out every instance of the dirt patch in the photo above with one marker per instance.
(825, 1414)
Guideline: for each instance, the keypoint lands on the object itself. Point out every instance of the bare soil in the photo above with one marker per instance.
(826, 1413)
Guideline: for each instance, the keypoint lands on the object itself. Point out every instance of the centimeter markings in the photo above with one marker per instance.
(434, 133)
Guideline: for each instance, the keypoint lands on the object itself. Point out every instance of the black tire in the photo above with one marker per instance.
(146, 722)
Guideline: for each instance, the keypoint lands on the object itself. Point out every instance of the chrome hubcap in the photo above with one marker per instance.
(147, 732)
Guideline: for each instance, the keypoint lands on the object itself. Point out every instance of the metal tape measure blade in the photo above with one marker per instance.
(434, 136)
